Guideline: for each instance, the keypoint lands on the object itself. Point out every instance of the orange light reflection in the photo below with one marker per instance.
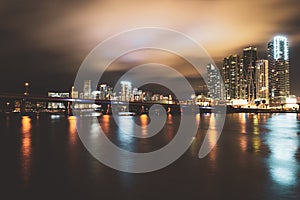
(26, 149)
(72, 129)
(144, 124)
(105, 123)
(212, 137)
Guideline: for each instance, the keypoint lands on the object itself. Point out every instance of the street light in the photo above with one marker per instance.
(7, 106)
(26, 89)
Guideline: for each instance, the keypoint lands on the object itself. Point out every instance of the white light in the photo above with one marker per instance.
(291, 100)
(277, 50)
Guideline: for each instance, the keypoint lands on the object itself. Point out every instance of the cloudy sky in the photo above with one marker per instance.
(45, 42)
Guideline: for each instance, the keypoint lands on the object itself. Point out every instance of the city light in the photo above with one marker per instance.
(281, 47)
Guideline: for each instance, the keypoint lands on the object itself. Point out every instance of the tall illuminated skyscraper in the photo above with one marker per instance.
(215, 87)
(262, 80)
(279, 68)
(249, 61)
(233, 77)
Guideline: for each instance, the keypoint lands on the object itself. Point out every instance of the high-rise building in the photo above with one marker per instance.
(279, 68)
(262, 80)
(249, 61)
(74, 93)
(214, 83)
(87, 89)
(104, 91)
(233, 77)
(136, 94)
(126, 90)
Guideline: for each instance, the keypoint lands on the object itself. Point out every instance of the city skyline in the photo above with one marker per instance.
(160, 99)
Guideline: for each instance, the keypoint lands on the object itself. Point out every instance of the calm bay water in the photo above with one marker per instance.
(256, 157)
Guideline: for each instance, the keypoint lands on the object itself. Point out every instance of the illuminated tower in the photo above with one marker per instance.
(279, 68)
(126, 88)
(87, 89)
(262, 80)
(214, 82)
(249, 61)
(233, 77)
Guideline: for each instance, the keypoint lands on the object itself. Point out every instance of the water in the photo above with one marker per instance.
(257, 157)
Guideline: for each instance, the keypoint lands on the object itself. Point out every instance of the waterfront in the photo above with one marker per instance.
(257, 157)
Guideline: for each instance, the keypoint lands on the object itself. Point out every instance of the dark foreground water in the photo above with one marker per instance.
(257, 157)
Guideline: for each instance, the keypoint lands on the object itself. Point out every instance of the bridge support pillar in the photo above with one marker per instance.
(68, 108)
(22, 106)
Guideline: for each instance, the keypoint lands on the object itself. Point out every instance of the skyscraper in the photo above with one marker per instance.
(87, 89)
(126, 90)
(233, 77)
(279, 68)
(262, 80)
(249, 61)
(215, 89)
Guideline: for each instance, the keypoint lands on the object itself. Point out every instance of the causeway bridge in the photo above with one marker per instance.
(7, 102)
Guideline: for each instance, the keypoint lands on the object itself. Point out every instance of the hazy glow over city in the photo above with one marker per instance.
(59, 35)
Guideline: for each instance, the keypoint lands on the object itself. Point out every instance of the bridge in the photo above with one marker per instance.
(7, 102)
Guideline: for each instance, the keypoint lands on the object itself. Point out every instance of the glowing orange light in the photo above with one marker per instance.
(72, 129)
(26, 148)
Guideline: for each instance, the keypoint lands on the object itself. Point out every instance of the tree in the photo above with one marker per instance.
(264, 103)
(257, 103)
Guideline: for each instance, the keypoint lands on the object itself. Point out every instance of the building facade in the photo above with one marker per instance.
(262, 80)
(87, 89)
(279, 68)
(249, 62)
(214, 83)
(126, 90)
(233, 77)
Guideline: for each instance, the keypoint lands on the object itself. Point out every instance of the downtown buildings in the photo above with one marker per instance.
(125, 93)
(257, 80)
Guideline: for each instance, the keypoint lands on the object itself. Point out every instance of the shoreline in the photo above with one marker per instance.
(228, 111)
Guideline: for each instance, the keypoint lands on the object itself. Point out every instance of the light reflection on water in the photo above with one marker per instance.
(26, 149)
(212, 138)
(260, 151)
(72, 129)
(125, 135)
(144, 123)
(283, 143)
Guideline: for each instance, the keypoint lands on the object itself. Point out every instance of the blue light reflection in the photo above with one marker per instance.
(283, 143)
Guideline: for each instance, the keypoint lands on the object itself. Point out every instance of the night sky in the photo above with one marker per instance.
(45, 42)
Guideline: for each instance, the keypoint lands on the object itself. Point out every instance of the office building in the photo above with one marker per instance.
(233, 77)
(74, 93)
(87, 89)
(279, 72)
(249, 62)
(105, 91)
(214, 83)
(262, 80)
(126, 90)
